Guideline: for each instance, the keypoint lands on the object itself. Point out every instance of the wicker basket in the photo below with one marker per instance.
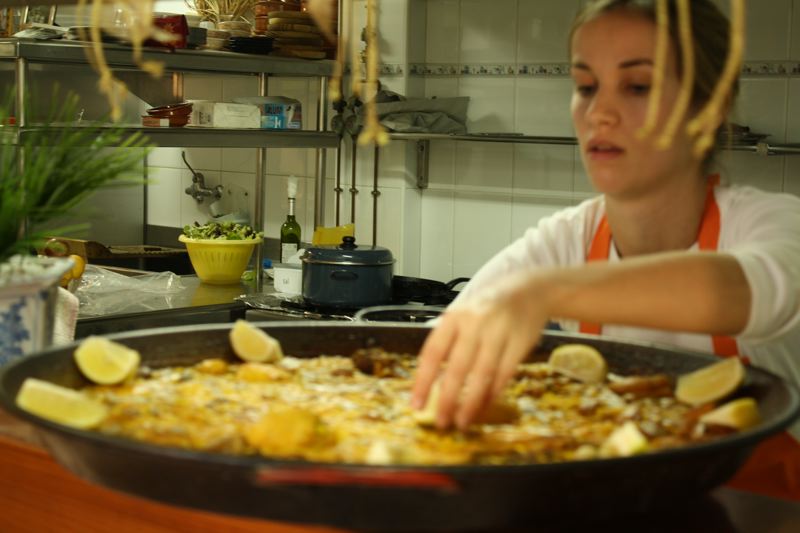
(219, 262)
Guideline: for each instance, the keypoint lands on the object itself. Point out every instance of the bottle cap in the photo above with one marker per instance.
(266, 263)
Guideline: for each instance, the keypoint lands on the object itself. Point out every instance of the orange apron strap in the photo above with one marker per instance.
(708, 240)
(773, 469)
(598, 251)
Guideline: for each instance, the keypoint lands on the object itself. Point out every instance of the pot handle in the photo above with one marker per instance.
(344, 275)
(324, 476)
(454, 283)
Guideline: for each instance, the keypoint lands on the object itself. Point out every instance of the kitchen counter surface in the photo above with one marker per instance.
(40, 495)
(193, 303)
(190, 292)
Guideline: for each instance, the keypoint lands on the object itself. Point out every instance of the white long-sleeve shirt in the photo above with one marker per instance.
(761, 230)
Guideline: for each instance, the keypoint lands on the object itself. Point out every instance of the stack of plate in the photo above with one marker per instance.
(295, 35)
(251, 45)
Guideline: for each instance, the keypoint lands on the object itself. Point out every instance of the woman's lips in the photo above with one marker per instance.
(604, 151)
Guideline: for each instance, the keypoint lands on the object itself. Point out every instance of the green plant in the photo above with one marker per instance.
(47, 170)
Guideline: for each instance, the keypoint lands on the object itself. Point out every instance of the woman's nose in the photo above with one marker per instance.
(603, 110)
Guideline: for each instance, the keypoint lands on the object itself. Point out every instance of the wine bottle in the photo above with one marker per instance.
(290, 229)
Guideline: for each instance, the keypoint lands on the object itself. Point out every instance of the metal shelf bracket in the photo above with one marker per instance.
(423, 163)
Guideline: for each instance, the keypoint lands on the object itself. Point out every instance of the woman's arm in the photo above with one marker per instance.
(484, 340)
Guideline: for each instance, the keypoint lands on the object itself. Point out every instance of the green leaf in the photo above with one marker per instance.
(45, 171)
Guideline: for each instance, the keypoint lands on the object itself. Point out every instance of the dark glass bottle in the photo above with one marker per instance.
(290, 234)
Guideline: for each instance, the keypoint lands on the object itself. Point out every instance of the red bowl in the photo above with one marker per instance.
(168, 111)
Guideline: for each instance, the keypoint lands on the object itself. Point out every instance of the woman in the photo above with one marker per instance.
(707, 268)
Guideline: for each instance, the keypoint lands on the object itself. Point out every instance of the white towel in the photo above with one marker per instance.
(66, 317)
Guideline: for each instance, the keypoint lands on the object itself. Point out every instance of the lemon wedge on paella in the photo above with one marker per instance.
(254, 345)
(579, 361)
(710, 383)
(60, 404)
(106, 362)
(738, 414)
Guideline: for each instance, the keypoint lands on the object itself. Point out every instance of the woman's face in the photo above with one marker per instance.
(612, 68)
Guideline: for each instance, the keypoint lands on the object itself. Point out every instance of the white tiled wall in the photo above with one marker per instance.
(481, 195)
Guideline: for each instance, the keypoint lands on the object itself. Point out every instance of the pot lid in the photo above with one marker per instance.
(348, 253)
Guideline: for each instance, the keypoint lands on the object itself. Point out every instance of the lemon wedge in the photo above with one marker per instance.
(106, 362)
(579, 361)
(625, 441)
(738, 414)
(710, 383)
(60, 404)
(254, 345)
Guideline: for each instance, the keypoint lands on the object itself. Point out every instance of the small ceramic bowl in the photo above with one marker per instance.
(218, 34)
(184, 109)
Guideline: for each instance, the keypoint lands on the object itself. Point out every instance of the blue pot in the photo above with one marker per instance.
(347, 275)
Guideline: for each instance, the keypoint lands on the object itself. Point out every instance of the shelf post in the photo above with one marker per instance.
(322, 155)
(21, 80)
(258, 201)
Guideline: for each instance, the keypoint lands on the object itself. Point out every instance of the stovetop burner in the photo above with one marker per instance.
(399, 313)
(413, 300)
(301, 305)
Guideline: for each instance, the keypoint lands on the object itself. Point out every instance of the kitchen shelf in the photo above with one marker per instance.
(192, 137)
(22, 53)
(423, 146)
(762, 148)
(121, 56)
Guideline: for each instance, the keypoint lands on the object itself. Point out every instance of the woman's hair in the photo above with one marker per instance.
(711, 38)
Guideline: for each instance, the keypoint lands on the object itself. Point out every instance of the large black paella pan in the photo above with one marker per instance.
(382, 497)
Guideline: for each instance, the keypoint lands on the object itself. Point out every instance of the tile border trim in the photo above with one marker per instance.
(751, 69)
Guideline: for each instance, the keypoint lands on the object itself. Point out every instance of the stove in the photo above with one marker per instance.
(281, 307)
(413, 300)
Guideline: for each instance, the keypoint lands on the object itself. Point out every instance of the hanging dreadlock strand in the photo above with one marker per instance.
(687, 81)
(355, 57)
(373, 132)
(708, 120)
(335, 82)
(659, 70)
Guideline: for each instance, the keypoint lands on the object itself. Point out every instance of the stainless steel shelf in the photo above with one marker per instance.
(761, 148)
(189, 137)
(486, 138)
(209, 61)
(423, 141)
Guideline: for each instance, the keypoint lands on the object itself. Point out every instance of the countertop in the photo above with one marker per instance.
(181, 293)
(40, 495)
(190, 302)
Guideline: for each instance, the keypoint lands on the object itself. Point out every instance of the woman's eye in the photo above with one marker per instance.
(585, 90)
(639, 89)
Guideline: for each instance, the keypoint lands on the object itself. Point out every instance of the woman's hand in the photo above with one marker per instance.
(482, 341)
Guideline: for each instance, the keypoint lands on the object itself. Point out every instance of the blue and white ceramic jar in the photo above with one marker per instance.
(28, 296)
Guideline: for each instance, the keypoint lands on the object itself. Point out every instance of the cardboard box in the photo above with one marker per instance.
(155, 122)
(277, 112)
(225, 115)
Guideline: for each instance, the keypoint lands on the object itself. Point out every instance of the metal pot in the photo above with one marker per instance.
(347, 275)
